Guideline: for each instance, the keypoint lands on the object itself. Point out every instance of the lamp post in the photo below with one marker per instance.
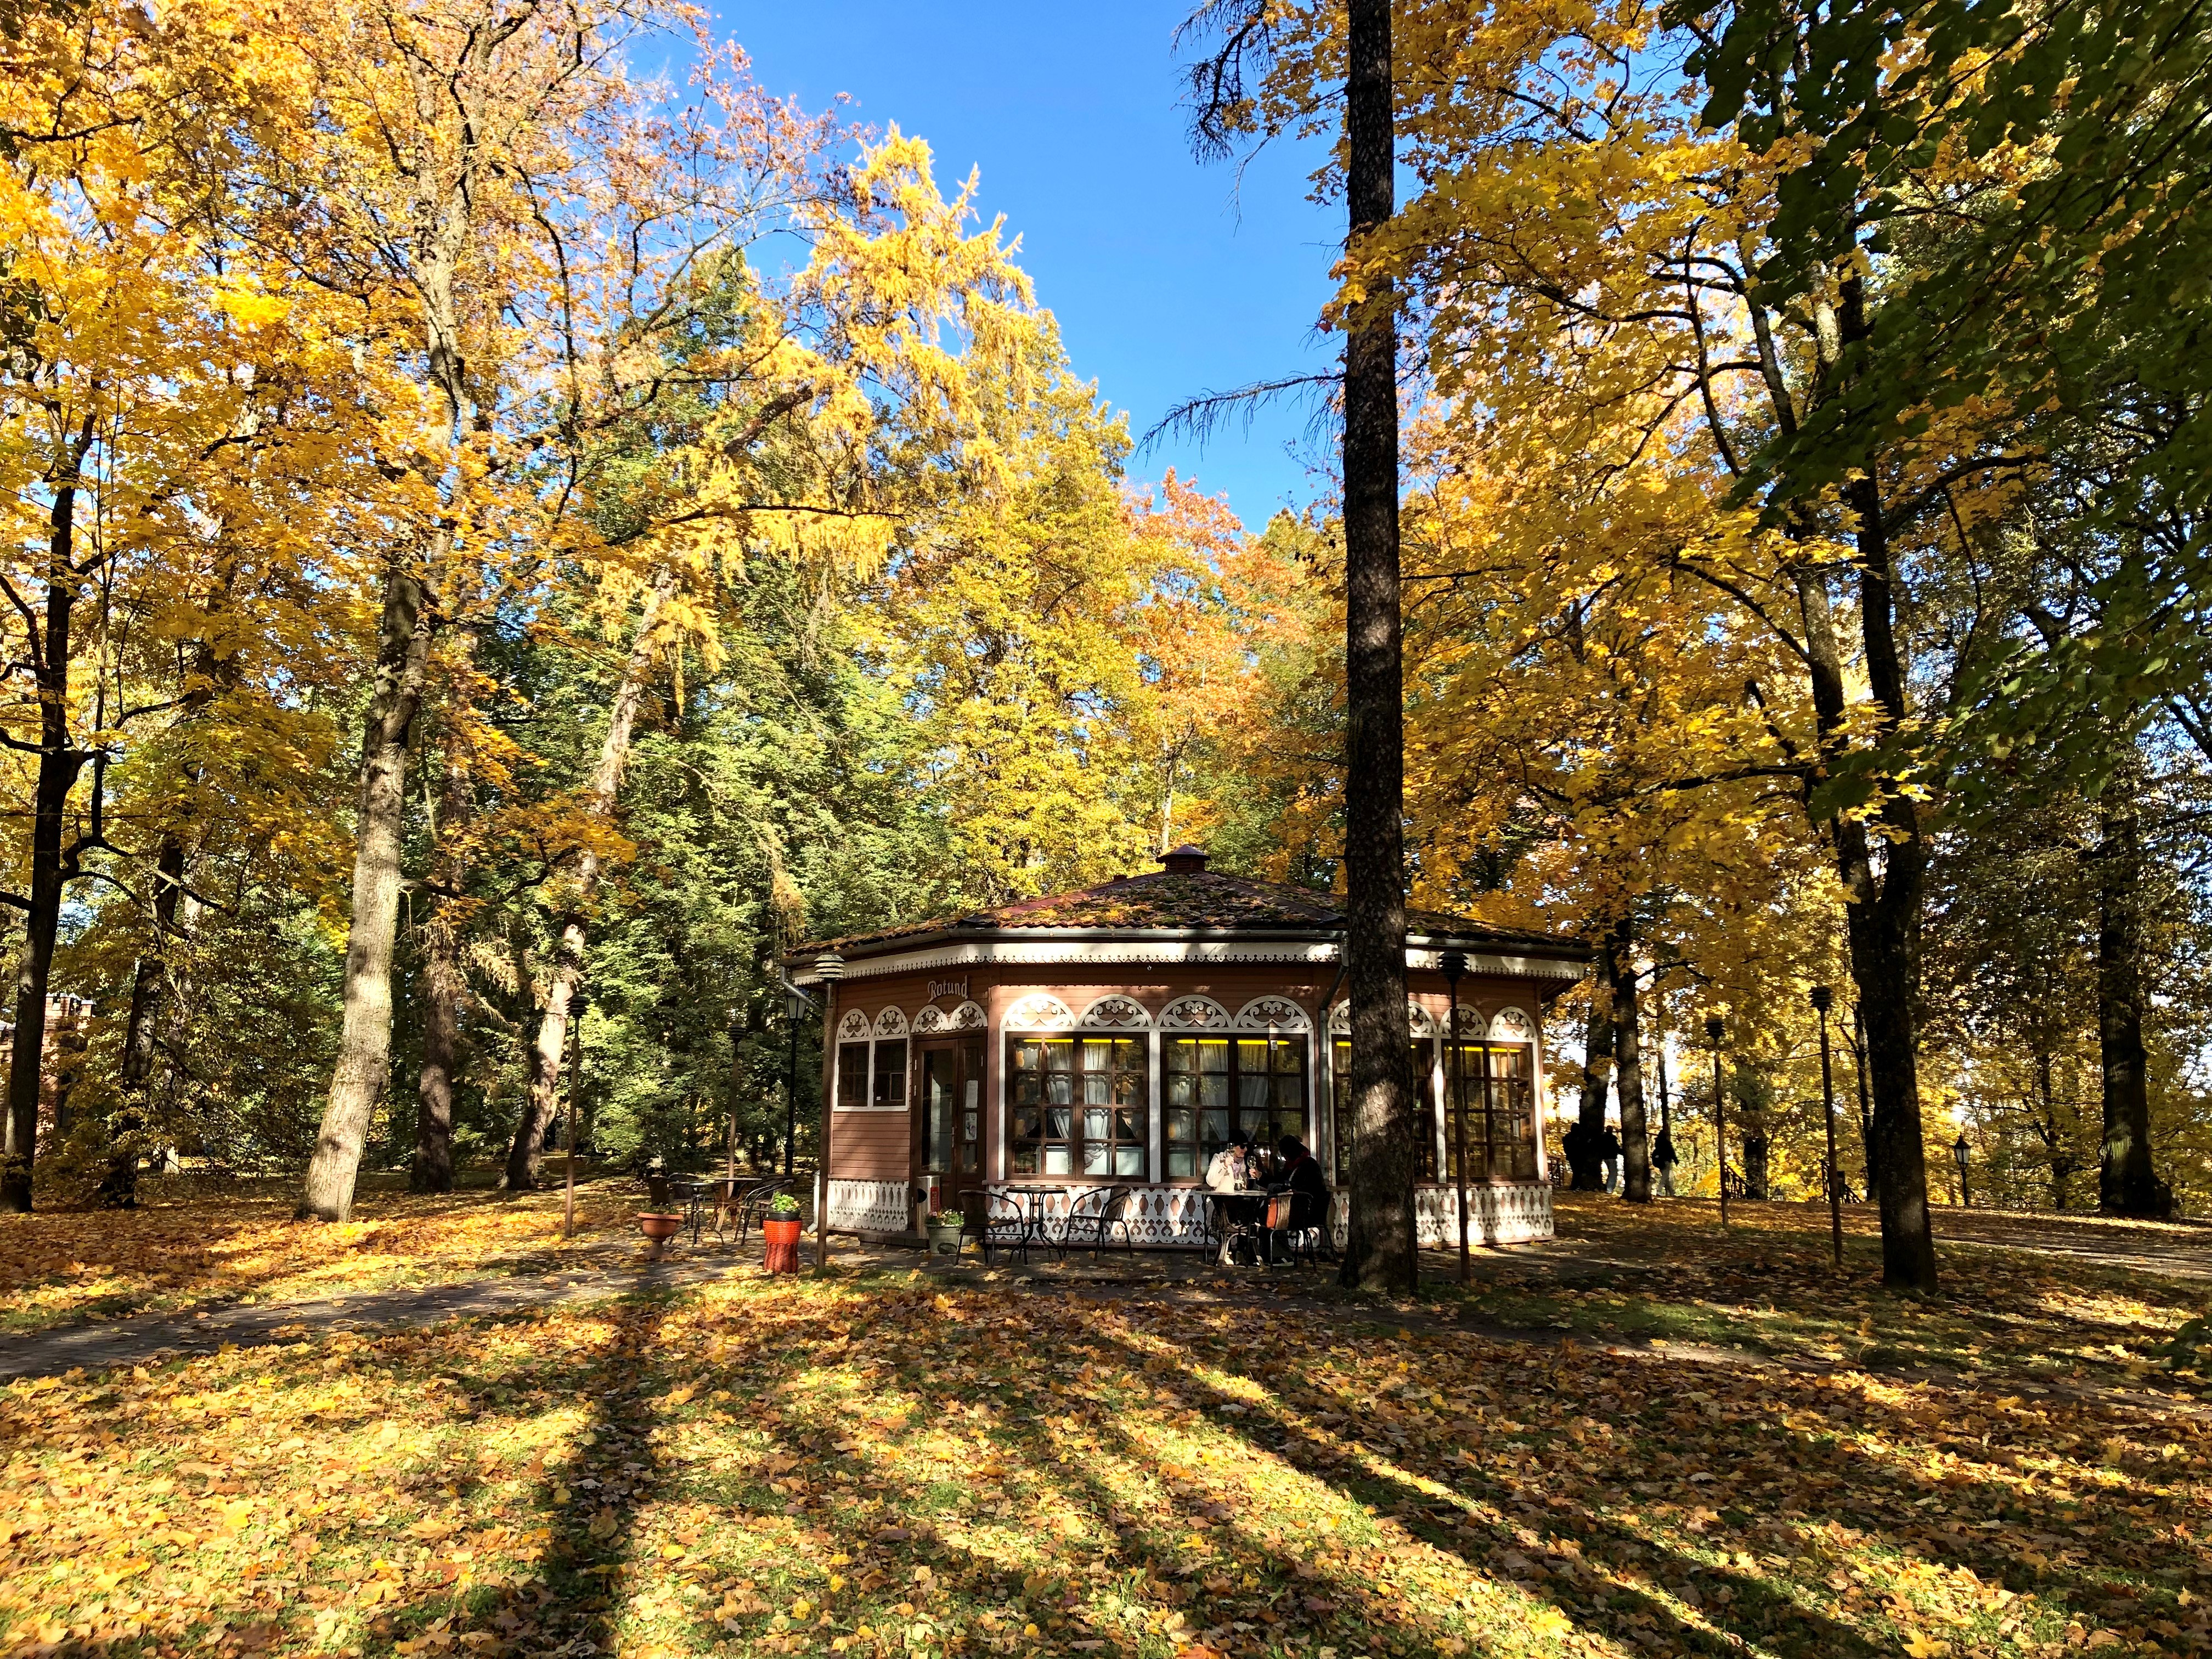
(1823, 1000)
(1959, 1152)
(796, 1002)
(1454, 965)
(831, 967)
(1714, 1030)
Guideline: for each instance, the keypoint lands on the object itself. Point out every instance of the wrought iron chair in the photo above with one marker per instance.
(753, 1204)
(1092, 1216)
(993, 1219)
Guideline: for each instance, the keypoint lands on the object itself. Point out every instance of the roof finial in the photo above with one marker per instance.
(1184, 861)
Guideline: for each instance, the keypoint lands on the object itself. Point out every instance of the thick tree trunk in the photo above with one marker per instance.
(1866, 1107)
(1382, 1251)
(1882, 900)
(364, 1058)
(60, 762)
(443, 983)
(1628, 1064)
(2127, 1184)
(546, 1048)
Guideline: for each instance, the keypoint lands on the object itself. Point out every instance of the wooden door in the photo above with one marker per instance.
(949, 1127)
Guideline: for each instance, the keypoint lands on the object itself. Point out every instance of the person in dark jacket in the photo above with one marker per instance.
(1302, 1173)
(1662, 1163)
(1608, 1152)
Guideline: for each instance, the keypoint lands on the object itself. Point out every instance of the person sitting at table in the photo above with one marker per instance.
(1302, 1173)
(1228, 1177)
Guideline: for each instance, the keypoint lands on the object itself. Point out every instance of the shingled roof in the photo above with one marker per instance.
(1184, 896)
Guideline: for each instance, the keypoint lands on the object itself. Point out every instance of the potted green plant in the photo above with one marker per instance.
(944, 1228)
(780, 1228)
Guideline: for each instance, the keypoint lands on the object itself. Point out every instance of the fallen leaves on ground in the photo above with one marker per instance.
(58, 1268)
(881, 1467)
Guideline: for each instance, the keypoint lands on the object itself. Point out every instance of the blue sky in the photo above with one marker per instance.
(1170, 278)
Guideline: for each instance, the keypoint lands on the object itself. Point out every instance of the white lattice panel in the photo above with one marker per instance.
(870, 1207)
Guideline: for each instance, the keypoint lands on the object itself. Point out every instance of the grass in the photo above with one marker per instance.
(879, 1464)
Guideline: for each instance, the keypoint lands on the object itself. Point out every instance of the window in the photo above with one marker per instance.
(1220, 1086)
(1080, 1106)
(852, 1077)
(1490, 1081)
(1425, 1093)
(891, 1075)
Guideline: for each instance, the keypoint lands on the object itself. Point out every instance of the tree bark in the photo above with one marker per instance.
(1584, 1162)
(443, 982)
(1381, 1252)
(1882, 904)
(60, 762)
(364, 1058)
(2127, 1184)
(547, 1047)
(1628, 1064)
(118, 1186)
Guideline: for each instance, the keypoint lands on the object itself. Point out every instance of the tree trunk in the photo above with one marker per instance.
(1882, 895)
(118, 1186)
(1866, 1107)
(443, 982)
(364, 1060)
(2126, 1182)
(1628, 1064)
(1584, 1161)
(546, 1048)
(60, 762)
(1382, 1251)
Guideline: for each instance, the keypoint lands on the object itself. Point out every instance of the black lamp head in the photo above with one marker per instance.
(1823, 998)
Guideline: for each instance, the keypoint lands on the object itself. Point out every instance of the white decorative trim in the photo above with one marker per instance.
(1512, 1025)
(872, 1207)
(854, 1027)
(1466, 1020)
(1418, 1021)
(1116, 1013)
(1168, 952)
(1040, 1010)
(891, 1023)
(1500, 1213)
(1194, 1013)
(968, 1017)
(1273, 1014)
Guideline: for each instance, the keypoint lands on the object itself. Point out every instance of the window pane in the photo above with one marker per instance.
(1097, 1057)
(1056, 1161)
(1095, 1122)
(1098, 1088)
(1129, 1161)
(1182, 1163)
(1129, 1125)
(1212, 1056)
(890, 1074)
(1025, 1160)
(852, 1076)
(1059, 1123)
(1252, 1055)
(1059, 1089)
(1094, 1154)
(1129, 1088)
(1252, 1091)
(1290, 1055)
(1213, 1091)
(1182, 1125)
(1182, 1089)
(1060, 1056)
(1213, 1128)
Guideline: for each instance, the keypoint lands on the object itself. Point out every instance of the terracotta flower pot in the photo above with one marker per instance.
(782, 1240)
(658, 1229)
